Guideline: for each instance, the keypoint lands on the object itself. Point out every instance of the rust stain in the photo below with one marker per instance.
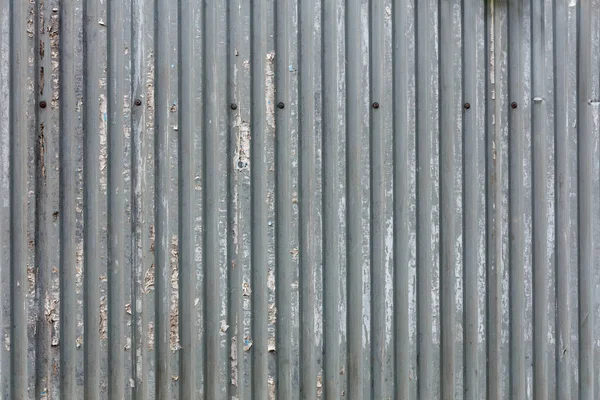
(42, 78)
(42, 153)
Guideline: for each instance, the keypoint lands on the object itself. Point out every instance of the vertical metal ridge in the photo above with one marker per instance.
(332, 234)
(471, 190)
(116, 204)
(562, 192)
(283, 208)
(238, 207)
(401, 199)
(187, 264)
(516, 206)
(241, 198)
(162, 266)
(214, 86)
(354, 257)
(18, 200)
(377, 198)
(539, 202)
(139, 210)
(258, 165)
(494, 180)
(91, 170)
(447, 137)
(585, 197)
(68, 318)
(45, 178)
(308, 207)
(424, 202)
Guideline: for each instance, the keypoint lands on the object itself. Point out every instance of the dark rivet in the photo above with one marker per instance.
(42, 104)
(467, 105)
(376, 105)
(240, 164)
(280, 104)
(233, 106)
(513, 105)
(138, 102)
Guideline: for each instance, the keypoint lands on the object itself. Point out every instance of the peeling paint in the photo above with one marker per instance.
(270, 90)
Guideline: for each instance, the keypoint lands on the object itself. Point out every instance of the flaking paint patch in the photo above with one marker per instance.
(234, 356)
(79, 267)
(31, 278)
(242, 148)
(271, 385)
(53, 30)
(151, 335)
(389, 279)
(270, 90)
(174, 308)
(103, 156)
(103, 319)
(149, 280)
(51, 310)
(320, 385)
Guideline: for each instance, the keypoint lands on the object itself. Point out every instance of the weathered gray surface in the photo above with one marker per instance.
(168, 230)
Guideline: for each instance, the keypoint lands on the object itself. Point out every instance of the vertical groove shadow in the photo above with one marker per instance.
(539, 202)
(447, 137)
(68, 317)
(562, 192)
(161, 202)
(187, 264)
(91, 170)
(585, 197)
(354, 257)
(116, 204)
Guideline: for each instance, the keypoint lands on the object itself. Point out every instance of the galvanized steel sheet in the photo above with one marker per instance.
(300, 199)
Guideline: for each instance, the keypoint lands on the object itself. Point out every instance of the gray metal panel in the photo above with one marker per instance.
(300, 199)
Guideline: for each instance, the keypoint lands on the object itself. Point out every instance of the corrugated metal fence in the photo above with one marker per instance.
(300, 199)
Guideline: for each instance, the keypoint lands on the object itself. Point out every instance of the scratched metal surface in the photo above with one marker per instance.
(384, 199)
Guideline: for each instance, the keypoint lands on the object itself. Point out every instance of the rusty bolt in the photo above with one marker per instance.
(42, 104)
(280, 105)
(376, 105)
(233, 106)
(467, 105)
(513, 105)
(138, 102)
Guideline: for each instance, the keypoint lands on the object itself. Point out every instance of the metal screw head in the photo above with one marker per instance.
(280, 105)
(233, 106)
(467, 105)
(513, 105)
(138, 102)
(42, 104)
(376, 105)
